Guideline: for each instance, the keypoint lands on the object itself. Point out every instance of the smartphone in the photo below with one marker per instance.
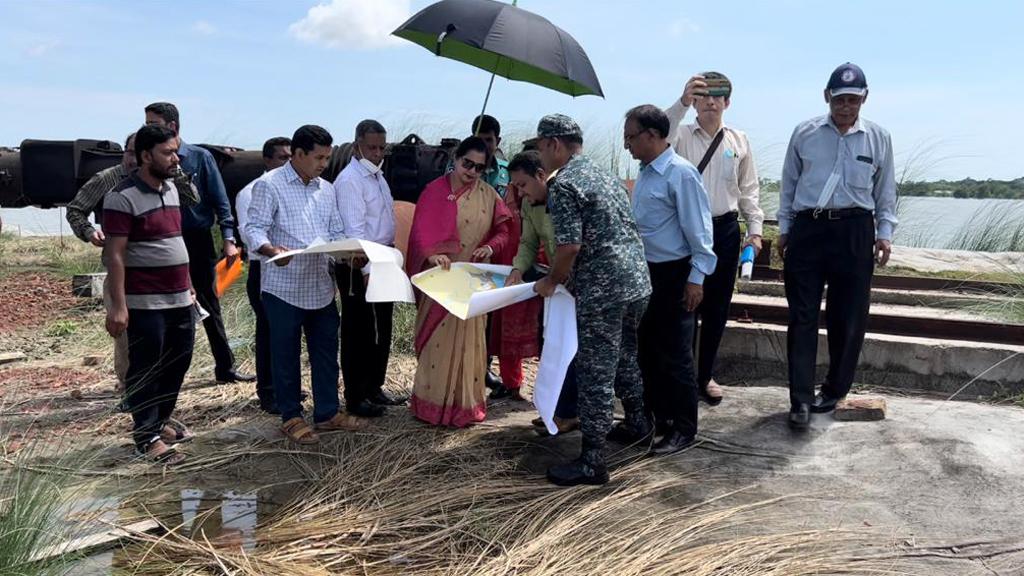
(718, 86)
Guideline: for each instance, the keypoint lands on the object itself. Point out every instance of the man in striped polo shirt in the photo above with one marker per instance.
(151, 293)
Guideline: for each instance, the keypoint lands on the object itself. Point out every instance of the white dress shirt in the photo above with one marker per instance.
(287, 212)
(242, 201)
(365, 204)
(730, 176)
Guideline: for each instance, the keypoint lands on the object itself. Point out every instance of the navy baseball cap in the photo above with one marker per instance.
(847, 79)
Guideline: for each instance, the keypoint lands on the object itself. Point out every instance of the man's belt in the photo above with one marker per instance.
(727, 217)
(833, 213)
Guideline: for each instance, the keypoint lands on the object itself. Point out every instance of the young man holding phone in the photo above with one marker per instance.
(726, 162)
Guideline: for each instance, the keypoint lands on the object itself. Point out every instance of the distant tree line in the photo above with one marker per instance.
(966, 188)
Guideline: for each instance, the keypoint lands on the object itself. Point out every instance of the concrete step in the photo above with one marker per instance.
(751, 352)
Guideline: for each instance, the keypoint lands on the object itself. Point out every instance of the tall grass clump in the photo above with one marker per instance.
(995, 231)
(34, 501)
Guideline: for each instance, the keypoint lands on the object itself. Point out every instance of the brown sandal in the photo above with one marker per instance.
(712, 393)
(169, 456)
(298, 431)
(174, 432)
(342, 421)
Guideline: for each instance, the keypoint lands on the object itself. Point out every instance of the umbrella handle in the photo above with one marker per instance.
(440, 38)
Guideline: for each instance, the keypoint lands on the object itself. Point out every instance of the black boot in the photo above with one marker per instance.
(588, 469)
(632, 431)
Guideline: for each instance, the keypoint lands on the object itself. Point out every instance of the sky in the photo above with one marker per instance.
(945, 77)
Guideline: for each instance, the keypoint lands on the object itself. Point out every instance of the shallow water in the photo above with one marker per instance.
(226, 519)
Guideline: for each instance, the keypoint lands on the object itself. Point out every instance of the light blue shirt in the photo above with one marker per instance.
(284, 211)
(862, 159)
(673, 214)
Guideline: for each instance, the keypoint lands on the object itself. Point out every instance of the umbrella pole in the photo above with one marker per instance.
(480, 118)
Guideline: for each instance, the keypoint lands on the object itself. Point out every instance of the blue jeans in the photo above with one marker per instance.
(287, 323)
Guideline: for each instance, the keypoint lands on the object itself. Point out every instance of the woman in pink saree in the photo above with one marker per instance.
(459, 218)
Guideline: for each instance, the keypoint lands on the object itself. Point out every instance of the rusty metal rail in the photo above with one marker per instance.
(951, 329)
(762, 272)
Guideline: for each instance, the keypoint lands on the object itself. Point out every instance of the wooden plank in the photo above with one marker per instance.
(101, 539)
(8, 357)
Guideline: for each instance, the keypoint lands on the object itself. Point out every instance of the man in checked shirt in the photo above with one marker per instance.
(293, 207)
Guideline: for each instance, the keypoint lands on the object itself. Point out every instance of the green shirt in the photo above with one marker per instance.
(537, 229)
(589, 207)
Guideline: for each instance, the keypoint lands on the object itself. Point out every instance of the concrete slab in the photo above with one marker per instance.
(928, 298)
(751, 352)
(942, 479)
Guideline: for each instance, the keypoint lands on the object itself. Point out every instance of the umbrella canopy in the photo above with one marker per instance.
(505, 40)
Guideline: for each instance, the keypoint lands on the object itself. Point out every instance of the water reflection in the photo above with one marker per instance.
(225, 519)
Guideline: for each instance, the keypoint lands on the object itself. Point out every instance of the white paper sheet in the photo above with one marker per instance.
(387, 283)
(469, 290)
(560, 344)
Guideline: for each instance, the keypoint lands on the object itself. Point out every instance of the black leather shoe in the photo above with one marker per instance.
(824, 403)
(577, 472)
(800, 417)
(504, 392)
(626, 433)
(366, 409)
(382, 398)
(270, 409)
(492, 381)
(673, 442)
(662, 427)
(234, 376)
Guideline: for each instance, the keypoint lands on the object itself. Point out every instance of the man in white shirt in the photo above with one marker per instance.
(726, 163)
(367, 213)
(276, 153)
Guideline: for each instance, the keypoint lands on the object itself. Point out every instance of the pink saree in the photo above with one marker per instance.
(448, 388)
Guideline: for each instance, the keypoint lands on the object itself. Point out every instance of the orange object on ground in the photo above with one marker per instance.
(227, 276)
(403, 223)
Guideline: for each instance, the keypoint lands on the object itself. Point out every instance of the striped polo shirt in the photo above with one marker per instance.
(155, 261)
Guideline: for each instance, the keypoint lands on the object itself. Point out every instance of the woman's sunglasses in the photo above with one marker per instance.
(475, 166)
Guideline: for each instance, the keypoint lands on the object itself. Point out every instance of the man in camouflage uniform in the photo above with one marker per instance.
(598, 243)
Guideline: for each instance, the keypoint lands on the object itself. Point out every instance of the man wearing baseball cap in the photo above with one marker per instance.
(837, 214)
(600, 258)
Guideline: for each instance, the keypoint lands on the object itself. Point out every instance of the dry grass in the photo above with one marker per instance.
(419, 501)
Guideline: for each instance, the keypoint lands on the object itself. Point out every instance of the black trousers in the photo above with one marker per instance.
(713, 311)
(159, 354)
(839, 253)
(365, 336)
(666, 348)
(201, 259)
(264, 378)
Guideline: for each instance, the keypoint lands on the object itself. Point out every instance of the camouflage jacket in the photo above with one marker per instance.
(589, 206)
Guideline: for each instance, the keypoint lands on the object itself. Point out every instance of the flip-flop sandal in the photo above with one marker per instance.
(181, 433)
(297, 430)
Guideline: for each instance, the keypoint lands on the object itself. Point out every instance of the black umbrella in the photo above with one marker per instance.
(506, 41)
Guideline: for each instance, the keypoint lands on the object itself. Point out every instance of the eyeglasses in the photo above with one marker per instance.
(475, 166)
(628, 137)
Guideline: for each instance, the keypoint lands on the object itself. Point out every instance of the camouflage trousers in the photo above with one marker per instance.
(606, 363)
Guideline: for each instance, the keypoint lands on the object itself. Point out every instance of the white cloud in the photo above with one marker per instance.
(204, 28)
(40, 49)
(352, 24)
(683, 27)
